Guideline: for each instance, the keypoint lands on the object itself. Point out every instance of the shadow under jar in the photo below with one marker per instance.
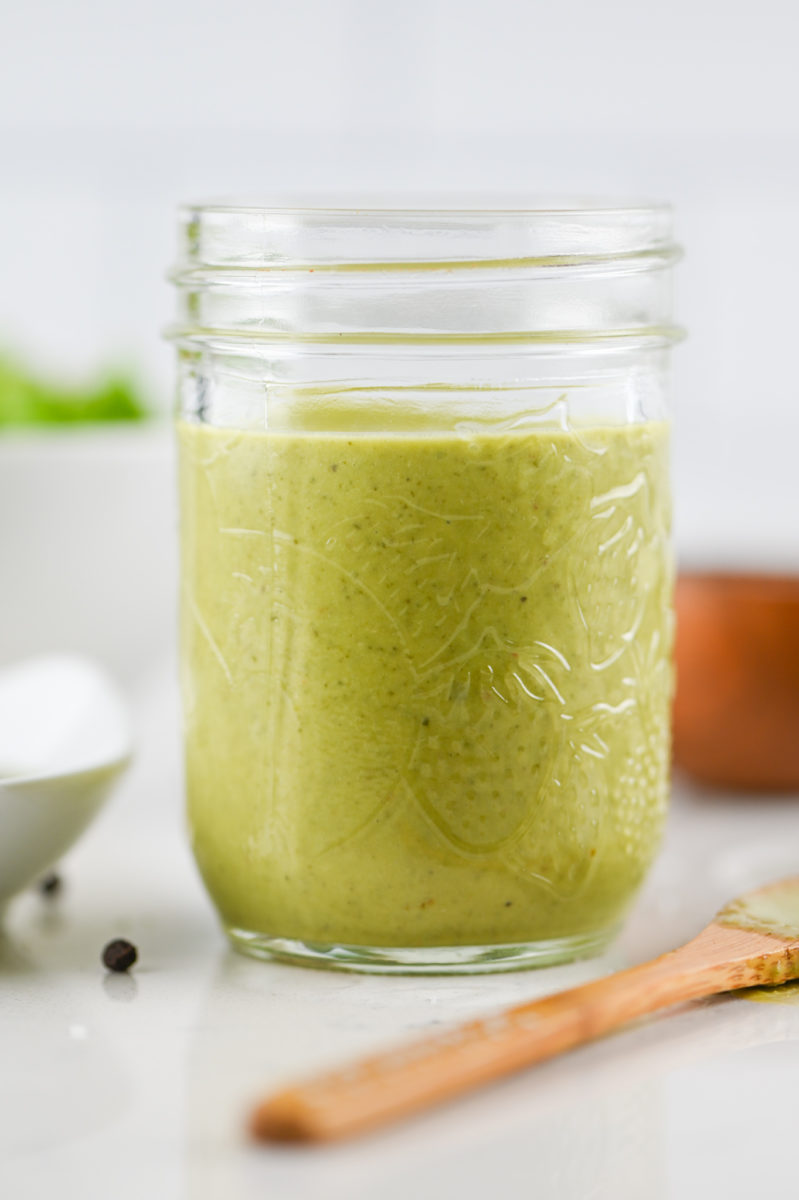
(426, 576)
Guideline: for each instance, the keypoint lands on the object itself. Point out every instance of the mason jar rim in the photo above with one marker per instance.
(563, 271)
(244, 234)
(549, 205)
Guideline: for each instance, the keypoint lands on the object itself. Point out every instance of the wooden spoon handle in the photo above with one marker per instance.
(396, 1083)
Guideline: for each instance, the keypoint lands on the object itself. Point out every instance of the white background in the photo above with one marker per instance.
(112, 113)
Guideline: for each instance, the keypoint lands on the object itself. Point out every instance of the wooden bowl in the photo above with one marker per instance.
(736, 711)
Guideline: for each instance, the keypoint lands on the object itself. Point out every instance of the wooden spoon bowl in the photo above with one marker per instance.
(736, 712)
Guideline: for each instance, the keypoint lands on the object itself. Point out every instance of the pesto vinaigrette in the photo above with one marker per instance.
(426, 626)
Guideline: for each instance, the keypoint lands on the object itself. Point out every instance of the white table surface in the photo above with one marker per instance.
(138, 1087)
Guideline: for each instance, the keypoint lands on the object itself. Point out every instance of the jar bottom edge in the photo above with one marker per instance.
(422, 960)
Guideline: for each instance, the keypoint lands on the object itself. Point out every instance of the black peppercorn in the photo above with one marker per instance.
(51, 884)
(119, 955)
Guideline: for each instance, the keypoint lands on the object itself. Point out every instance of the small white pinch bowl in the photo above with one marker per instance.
(64, 741)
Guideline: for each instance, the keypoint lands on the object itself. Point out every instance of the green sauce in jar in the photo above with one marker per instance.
(426, 679)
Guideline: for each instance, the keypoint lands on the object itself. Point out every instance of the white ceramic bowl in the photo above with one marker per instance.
(88, 521)
(64, 740)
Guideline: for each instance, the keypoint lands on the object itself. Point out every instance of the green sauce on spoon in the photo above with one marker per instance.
(773, 910)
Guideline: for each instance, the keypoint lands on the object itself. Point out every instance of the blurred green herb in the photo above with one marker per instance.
(25, 400)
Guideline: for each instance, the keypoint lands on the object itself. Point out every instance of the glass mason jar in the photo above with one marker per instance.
(426, 576)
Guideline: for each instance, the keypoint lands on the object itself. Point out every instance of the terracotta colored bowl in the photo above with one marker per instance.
(736, 713)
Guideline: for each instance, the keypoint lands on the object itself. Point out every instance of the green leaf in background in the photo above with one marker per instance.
(25, 400)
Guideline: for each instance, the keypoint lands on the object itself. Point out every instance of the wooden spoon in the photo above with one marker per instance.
(753, 940)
